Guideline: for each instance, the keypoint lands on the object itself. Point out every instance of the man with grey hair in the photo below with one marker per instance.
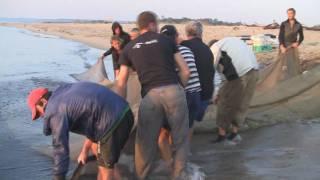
(194, 29)
(204, 63)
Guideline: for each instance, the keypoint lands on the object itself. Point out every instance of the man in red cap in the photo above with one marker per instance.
(87, 109)
(36, 97)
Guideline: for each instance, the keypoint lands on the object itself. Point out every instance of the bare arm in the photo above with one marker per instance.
(82, 158)
(216, 51)
(86, 145)
(116, 73)
(184, 72)
(121, 81)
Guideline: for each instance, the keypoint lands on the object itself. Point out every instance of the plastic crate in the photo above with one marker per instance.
(262, 48)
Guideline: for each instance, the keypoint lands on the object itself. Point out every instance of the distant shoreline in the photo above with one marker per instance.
(97, 35)
(61, 34)
(63, 29)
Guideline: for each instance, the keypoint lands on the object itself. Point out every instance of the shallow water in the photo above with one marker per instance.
(30, 60)
(281, 152)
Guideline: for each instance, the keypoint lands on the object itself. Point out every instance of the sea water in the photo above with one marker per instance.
(29, 60)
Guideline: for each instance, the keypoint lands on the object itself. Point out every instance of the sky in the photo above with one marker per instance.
(247, 11)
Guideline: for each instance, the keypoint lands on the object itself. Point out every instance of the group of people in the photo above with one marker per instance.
(177, 85)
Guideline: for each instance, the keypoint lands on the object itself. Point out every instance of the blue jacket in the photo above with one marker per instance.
(83, 108)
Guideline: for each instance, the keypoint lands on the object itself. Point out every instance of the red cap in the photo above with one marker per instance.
(33, 98)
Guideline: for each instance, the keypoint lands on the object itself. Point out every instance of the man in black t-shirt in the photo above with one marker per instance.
(204, 62)
(155, 58)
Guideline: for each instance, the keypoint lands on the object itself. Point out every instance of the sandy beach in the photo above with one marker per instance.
(98, 36)
(271, 135)
(282, 159)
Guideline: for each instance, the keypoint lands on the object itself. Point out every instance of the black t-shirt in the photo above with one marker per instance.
(115, 57)
(204, 62)
(125, 37)
(152, 55)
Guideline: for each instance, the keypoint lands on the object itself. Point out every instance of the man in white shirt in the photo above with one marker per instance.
(238, 68)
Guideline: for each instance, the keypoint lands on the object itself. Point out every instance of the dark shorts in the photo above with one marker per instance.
(194, 106)
(109, 150)
(202, 110)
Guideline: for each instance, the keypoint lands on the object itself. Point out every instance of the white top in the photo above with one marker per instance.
(243, 58)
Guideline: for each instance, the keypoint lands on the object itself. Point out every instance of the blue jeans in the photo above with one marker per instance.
(194, 106)
(202, 110)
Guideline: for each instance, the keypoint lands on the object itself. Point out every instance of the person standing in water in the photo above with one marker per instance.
(192, 90)
(133, 95)
(203, 59)
(119, 36)
(134, 88)
(237, 66)
(155, 58)
(290, 38)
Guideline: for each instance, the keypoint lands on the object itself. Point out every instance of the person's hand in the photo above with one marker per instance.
(102, 56)
(82, 158)
(295, 45)
(284, 68)
(283, 49)
(59, 177)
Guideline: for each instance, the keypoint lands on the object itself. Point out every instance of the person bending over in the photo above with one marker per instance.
(87, 109)
(238, 68)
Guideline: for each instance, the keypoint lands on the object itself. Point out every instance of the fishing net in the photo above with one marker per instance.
(287, 66)
(97, 74)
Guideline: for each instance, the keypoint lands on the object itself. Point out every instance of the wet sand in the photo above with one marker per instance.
(30, 60)
(286, 151)
(281, 152)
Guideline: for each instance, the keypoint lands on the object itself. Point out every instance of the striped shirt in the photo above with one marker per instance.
(193, 82)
